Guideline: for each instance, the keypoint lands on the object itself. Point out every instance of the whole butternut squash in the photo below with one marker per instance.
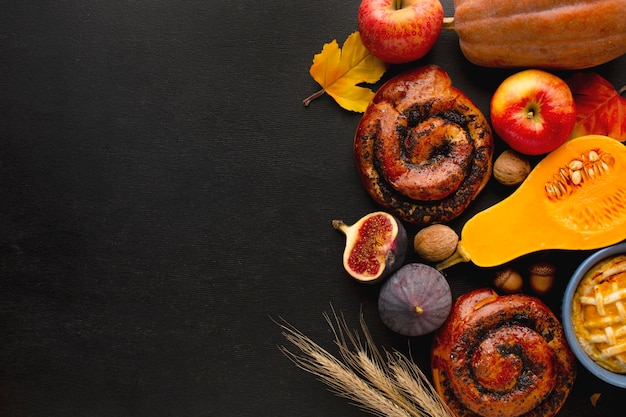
(551, 34)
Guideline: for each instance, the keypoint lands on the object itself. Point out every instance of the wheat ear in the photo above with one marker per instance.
(392, 388)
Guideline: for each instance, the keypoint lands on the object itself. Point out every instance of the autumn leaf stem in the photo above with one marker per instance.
(313, 96)
(621, 91)
(341, 71)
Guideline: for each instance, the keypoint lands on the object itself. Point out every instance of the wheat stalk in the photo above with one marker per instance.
(338, 376)
(393, 388)
(415, 384)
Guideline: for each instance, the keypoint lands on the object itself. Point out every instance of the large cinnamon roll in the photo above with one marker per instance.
(422, 148)
(502, 356)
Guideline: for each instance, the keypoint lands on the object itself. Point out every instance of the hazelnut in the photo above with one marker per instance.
(542, 276)
(436, 242)
(511, 168)
(508, 280)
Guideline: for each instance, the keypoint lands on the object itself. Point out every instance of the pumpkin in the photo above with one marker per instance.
(553, 34)
(574, 199)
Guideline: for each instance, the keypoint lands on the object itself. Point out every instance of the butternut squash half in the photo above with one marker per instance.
(574, 199)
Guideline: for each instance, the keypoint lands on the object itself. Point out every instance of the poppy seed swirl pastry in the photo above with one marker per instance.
(423, 150)
(502, 356)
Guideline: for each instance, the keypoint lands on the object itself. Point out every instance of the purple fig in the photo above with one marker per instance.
(415, 300)
(375, 246)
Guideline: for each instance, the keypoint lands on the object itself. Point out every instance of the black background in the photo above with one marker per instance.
(165, 195)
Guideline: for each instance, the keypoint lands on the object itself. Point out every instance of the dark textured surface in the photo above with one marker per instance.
(164, 194)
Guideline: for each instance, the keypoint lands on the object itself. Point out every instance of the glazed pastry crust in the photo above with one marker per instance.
(500, 356)
(423, 150)
(599, 313)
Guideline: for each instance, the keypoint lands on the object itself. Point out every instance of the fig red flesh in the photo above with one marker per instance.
(369, 246)
(375, 246)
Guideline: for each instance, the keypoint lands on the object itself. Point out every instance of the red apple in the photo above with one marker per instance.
(400, 31)
(533, 111)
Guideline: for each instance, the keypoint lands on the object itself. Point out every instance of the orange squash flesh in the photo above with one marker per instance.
(538, 216)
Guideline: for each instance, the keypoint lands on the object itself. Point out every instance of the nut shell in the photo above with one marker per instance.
(508, 280)
(541, 277)
(435, 243)
(511, 168)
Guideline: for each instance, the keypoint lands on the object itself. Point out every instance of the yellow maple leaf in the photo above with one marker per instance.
(340, 71)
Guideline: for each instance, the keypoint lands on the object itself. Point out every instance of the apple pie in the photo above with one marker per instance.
(599, 313)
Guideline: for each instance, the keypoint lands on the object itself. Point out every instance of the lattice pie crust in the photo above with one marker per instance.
(599, 313)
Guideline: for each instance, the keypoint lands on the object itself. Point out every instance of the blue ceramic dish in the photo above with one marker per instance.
(619, 380)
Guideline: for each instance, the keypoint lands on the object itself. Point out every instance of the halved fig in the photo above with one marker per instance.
(415, 300)
(375, 246)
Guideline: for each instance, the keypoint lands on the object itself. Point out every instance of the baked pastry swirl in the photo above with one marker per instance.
(599, 313)
(502, 356)
(422, 148)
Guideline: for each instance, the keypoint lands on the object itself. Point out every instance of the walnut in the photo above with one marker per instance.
(511, 168)
(435, 243)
